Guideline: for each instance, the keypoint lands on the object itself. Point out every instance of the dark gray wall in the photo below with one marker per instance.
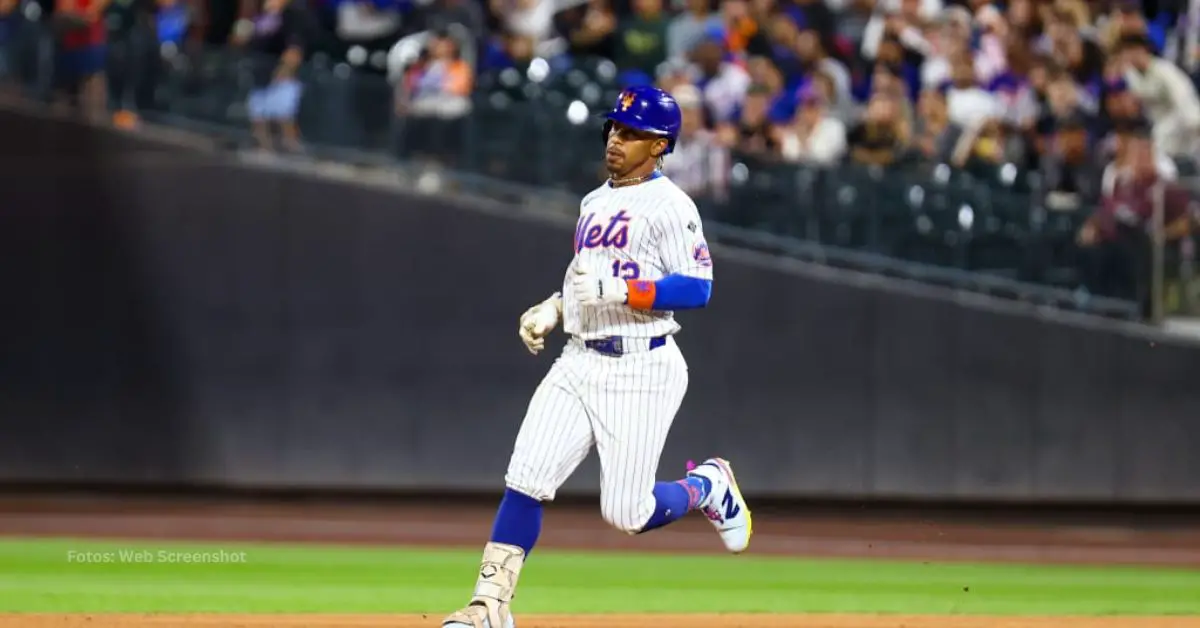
(170, 318)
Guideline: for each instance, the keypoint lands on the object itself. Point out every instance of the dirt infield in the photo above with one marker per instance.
(608, 621)
(467, 524)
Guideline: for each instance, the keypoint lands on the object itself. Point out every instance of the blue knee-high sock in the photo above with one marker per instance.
(518, 521)
(673, 500)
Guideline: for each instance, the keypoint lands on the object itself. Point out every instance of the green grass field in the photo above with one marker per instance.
(58, 576)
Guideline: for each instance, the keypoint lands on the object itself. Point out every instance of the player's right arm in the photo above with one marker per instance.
(538, 321)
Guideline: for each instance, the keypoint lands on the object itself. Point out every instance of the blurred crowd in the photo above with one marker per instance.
(1097, 97)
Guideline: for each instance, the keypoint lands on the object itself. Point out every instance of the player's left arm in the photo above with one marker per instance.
(687, 264)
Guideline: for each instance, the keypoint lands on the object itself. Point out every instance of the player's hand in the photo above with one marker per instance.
(537, 322)
(591, 289)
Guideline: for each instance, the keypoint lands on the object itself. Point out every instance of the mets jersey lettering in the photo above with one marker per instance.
(591, 236)
(640, 232)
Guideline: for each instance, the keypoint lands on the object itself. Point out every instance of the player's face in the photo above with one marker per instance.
(629, 150)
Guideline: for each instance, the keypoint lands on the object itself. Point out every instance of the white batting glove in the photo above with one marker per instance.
(590, 289)
(538, 321)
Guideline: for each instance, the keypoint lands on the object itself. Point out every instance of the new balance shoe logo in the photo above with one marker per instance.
(730, 506)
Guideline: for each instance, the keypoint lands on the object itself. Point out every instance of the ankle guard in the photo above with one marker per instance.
(498, 574)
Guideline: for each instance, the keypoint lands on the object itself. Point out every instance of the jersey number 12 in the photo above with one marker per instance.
(626, 270)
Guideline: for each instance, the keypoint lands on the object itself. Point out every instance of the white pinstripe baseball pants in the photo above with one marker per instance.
(623, 405)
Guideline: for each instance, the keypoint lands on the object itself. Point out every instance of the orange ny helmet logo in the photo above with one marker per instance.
(627, 101)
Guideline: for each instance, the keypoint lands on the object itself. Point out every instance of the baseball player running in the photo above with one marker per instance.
(640, 254)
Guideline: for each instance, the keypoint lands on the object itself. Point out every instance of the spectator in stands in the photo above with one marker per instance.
(641, 41)
(1038, 79)
(903, 77)
(852, 17)
(1069, 173)
(883, 78)
(700, 163)
(439, 85)
(1011, 88)
(177, 28)
(367, 34)
(782, 101)
(968, 103)
(814, 57)
(1167, 95)
(174, 21)
(881, 138)
(815, 138)
(1066, 98)
(275, 40)
(1053, 96)
(752, 132)
(690, 27)
(981, 147)
(589, 28)
(763, 11)
(371, 24)
(741, 33)
(840, 105)
(1023, 19)
(950, 38)
(1126, 20)
(674, 74)
(516, 51)
(934, 135)
(435, 96)
(991, 55)
(887, 80)
(1115, 237)
(724, 83)
(526, 18)
(1080, 57)
(139, 33)
(439, 15)
(903, 20)
(83, 53)
(1119, 106)
(813, 14)
(782, 35)
(1117, 155)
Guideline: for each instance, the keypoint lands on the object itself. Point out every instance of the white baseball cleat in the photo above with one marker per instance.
(725, 506)
(458, 622)
(480, 616)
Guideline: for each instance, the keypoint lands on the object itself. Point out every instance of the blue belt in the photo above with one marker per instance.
(615, 345)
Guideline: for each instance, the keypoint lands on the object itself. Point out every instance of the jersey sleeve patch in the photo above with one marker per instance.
(701, 254)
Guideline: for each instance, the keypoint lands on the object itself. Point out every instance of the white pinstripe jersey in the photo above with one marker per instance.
(644, 231)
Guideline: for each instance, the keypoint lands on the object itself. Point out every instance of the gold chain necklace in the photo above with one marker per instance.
(631, 180)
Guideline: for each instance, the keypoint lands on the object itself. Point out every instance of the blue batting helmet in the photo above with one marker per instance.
(647, 109)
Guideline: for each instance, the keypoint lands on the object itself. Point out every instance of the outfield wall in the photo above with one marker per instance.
(168, 317)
